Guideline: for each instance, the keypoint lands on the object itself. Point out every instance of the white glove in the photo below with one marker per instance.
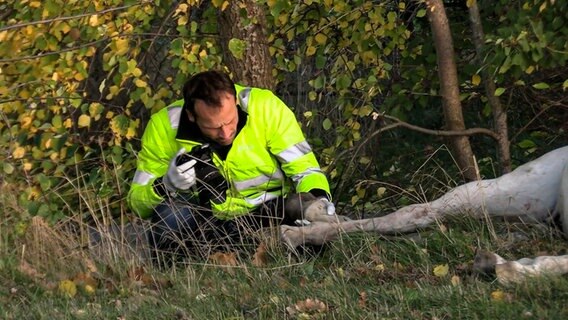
(330, 207)
(180, 177)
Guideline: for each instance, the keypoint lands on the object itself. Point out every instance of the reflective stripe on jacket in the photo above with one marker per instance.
(268, 157)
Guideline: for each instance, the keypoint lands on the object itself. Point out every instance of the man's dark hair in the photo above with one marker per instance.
(207, 86)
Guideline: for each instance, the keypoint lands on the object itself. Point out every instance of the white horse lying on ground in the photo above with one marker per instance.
(537, 190)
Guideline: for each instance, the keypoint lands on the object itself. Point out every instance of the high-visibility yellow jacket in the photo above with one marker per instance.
(269, 156)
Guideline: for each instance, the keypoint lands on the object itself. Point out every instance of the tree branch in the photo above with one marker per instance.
(399, 123)
(445, 133)
(46, 21)
(40, 55)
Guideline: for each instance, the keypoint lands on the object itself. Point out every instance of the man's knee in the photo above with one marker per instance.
(171, 226)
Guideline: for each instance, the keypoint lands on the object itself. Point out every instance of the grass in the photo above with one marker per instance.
(361, 276)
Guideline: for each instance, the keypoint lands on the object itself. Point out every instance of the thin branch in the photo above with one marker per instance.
(45, 54)
(445, 133)
(40, 55)
(46, 21)
(521, 130)
(399, 123)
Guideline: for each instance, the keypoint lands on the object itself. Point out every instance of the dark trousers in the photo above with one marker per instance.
(182, 230)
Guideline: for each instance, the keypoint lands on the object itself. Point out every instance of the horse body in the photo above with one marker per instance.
(532, 190)
(536, 190)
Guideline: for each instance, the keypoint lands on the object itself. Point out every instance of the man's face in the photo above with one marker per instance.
(218, 123)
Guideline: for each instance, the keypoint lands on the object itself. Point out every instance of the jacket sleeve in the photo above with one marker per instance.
(153, 160)
(286, 141)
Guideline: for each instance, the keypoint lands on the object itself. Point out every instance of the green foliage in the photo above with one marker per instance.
(353, 48)
(531, 38)
(77, 83)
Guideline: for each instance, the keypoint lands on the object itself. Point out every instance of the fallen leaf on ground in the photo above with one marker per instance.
(362, 299)
(308, 306)
(498, 295)
(260, 258)
(456, 281)
(141, 277)
(224, 259)
(67, 288)
(441, 270)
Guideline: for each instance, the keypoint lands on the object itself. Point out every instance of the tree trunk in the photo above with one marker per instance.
(244, 20)
(449, 87)
(499, 115)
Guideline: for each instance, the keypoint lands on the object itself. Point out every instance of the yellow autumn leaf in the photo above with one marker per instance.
(114, 89)
(476, 79)
(67, 288)
(130, 133)
(24, 94)
(19, 153)
(137, 72)
(182, 8)
(121, 46)
(140, 83)
(84, 121)
(27, 166)
(89, 289)
(94, 20)
(78, 76)
(95, 109)
(3, 35)
(26, 121)
(283, 18)
(217, 3)
(63, 153)
(65, 27)
(182, 21)
(497, 295)
(68, 123)
(441, 270)
(321, 38)
(34, 193)
(529, 69)
(310, 51)
(127, 28)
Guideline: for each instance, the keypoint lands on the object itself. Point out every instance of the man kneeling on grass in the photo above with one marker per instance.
(223, 159)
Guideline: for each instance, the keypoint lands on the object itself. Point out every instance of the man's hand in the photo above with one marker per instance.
(182, 176)
(321, 210)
